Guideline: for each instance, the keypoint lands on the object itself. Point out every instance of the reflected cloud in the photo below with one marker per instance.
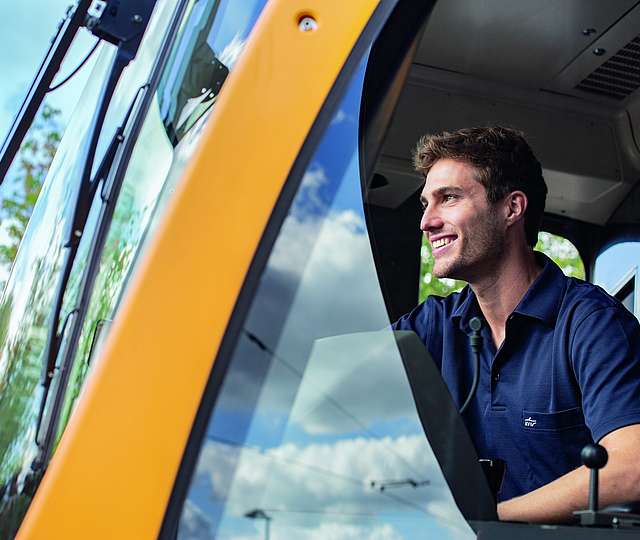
(230, 54)
(322, 489)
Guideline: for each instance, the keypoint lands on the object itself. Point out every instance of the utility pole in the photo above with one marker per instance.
(259, 513)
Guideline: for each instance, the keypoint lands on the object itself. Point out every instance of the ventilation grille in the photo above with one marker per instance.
(619, 76)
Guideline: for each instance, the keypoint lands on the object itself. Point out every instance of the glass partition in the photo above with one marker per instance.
(315, 433)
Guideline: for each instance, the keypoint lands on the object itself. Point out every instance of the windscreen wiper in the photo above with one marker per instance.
(41, 84)
(122, 24)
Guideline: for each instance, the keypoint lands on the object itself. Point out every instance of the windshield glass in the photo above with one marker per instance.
(29, 296)
(157, 162)
(315, 433)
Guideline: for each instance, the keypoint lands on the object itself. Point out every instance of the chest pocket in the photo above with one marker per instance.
(551, 443)
(554, 421)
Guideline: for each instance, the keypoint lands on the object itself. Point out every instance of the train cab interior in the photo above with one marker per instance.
(567, 75)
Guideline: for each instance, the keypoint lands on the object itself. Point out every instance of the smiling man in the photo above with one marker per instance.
(560, 358)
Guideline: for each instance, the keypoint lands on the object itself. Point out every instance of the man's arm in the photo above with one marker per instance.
(554, 502)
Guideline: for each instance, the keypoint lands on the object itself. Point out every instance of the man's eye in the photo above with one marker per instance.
(449, 197)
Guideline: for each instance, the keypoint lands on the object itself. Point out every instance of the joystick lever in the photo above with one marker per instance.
(594, 457)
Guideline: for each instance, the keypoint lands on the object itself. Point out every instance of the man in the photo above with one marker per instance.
(560, 359)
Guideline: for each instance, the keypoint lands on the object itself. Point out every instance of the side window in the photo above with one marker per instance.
(562, 252)
(210, 41)
(616, 271)
(314, 432)
(431, 284)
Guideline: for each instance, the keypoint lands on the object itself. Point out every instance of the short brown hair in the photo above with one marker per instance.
(503, 161)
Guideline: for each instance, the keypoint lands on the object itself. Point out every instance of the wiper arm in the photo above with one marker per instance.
(41, 84)
(83, 206)
(124, 28)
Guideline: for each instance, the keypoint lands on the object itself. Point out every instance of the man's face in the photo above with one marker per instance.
(463, 228)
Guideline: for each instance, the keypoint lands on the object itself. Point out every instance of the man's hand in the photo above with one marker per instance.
(555, 502)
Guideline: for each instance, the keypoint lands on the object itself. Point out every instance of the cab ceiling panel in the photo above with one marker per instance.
(525, 43)
(583, 176)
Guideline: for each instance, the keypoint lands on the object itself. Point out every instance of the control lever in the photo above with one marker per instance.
(595, 457)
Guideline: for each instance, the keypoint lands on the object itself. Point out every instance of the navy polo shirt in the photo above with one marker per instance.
(567, 373)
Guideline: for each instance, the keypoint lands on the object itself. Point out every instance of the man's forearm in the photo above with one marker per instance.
(552, 503)
(555, 502)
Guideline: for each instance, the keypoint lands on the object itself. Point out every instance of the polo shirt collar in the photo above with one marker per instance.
(544, 297)
(541, 301)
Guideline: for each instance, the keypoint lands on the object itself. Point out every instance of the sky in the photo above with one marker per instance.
(26, 29)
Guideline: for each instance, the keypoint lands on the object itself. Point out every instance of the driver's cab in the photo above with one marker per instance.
(298, 412)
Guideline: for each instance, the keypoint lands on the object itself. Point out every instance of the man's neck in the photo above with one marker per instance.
(499, 291)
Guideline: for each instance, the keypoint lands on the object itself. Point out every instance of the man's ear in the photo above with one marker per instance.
(515, 205)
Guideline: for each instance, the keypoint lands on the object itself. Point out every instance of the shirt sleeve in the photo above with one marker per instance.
(605, 352)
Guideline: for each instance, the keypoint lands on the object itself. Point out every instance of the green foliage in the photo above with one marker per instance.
(559, 249)
(562, 252)
(429, 284)
(34, 160)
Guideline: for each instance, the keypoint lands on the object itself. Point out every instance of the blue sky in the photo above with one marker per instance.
(26, 29)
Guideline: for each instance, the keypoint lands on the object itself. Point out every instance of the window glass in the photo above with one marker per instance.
(25, 308)
(430, 284)
(562, 252)
(211, 33)
(627, 293)
(28, 299)
(615, 271)
(314, 433)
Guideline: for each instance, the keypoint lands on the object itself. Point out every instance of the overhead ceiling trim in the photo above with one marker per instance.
(619, 76)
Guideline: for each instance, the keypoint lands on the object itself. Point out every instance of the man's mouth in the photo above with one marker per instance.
(441, 243)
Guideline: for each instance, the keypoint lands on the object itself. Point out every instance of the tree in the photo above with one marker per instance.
(559, 249)
(34, 160)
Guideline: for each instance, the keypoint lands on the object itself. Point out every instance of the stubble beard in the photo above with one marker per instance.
(479, 253)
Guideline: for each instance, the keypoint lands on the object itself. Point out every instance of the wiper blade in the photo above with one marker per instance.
(123, 27)
(41, 84)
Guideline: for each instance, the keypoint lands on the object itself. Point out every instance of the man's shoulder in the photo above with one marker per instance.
(433, 308)
(582, 299)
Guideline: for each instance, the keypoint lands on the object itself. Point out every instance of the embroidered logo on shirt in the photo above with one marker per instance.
(529, 422)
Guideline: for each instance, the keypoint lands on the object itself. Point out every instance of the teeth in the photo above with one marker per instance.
(441, 242)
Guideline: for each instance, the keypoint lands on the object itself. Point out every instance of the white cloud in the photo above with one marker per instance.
(194, 523)
(232, 51)
(342, 116)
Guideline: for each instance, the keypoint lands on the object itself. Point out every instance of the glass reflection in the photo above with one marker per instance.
(212, 40)
(26, 305)
(315, 433)
(156, 165)
(29, 295)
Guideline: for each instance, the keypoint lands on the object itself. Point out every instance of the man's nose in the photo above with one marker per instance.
(430, 221)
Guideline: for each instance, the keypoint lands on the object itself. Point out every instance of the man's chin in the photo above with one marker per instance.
(446, 272)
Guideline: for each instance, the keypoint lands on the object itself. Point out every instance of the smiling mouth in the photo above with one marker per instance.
(442, 242)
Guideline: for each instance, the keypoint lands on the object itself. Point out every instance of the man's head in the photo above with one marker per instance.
(493, 184)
